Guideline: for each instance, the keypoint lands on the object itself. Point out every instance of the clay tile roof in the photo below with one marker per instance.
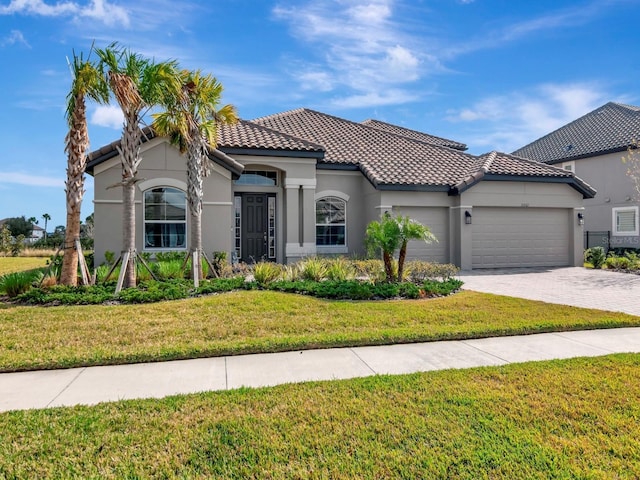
(385, 158)
(413, 134)
(248, 135)
(610, 128)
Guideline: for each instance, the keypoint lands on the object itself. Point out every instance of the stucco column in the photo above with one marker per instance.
(292, 225)
(461, 236)
(576, 237)
(308, 219)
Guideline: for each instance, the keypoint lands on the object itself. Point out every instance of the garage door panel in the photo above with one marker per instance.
(519, 237)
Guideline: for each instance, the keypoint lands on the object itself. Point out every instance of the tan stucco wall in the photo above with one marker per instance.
(162, 165)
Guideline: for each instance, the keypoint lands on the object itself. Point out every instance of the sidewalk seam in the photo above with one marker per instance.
(464, 342)
(568, 337)
(82, 370)
(360, 358)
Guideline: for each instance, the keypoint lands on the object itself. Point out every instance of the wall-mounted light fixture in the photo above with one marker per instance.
(580, 218)
(467, 217)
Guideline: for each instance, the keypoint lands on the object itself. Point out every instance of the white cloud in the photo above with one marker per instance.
(375, 99)
(101, 10)
(107, 116)
(15, 36)
(30, 179)
(510, 121)
(361, 48)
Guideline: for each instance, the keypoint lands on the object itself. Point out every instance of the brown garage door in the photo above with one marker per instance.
(520, 237)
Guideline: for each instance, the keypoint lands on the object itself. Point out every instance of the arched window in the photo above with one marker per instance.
(165, 219)
(331, 222)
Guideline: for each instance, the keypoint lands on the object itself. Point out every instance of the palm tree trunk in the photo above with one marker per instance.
(77, 143)
(130, 154)
(388, 266)
(195, 172)
(401, 258)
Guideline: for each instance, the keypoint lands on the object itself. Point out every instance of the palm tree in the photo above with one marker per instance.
(391, 234)
(137, 84)
(87, 82)
(190, 120)
(411, 230)
(46, 218)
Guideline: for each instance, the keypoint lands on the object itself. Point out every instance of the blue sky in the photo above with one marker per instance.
(494, 74)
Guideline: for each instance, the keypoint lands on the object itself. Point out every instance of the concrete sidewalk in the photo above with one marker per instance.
(91, 385)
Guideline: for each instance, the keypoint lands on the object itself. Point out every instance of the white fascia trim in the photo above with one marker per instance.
(223, 204)
(331, 193)
(162, 182)
(107, 202)
(299, 182)
(384, 207)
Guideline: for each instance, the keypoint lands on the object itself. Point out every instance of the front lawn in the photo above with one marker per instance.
(563, 419)
(19, 264)
(265, 321)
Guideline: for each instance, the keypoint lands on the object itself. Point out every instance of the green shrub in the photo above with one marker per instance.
(169, 269)
(434, 287)
(153, 291)
(170, 256)
(340, 269)
(370, 269)
(418, 271)
(66, 295)
(266, 272)
(618, 263)
(16, 283)
(313, 269)
(595, 256)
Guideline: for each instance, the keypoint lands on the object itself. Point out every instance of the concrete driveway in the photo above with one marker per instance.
(577, 286)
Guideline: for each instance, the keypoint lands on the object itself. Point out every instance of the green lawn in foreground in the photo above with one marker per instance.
(18, 264)
(265, 321)
(564, 419)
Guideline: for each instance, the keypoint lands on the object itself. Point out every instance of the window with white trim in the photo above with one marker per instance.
(625, 221)
(569, 166)
(165, 219)
(331, 222)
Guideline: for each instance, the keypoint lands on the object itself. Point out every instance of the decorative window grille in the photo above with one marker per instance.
(271, 238)
(238, 226)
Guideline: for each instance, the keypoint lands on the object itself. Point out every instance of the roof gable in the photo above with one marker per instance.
(610, 128)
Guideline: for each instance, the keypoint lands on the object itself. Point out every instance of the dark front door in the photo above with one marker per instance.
(254, 227)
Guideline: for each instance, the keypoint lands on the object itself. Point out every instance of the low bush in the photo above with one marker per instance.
(220, 285)
(434, 287)
(153, 291)
(340, 269)
(314, 269)
(617, 263)
(595, 256)
(266, 272)
(16, 283)
(417, 271)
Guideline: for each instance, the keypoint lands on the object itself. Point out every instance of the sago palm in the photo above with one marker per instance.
(87, 82)
(191, 120)
(137, 84)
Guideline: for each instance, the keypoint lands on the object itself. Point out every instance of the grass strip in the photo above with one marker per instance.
(264, 321)
(573, 418)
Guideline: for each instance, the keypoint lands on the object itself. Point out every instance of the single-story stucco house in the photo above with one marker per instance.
(304, 183)
(592, 147)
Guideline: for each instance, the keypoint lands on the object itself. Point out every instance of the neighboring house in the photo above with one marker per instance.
(36, 234)
(593, 147)
(303, 183)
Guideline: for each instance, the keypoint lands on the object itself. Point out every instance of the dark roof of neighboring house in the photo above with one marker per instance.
(415, 135)
(611, 128)
(393, 161)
